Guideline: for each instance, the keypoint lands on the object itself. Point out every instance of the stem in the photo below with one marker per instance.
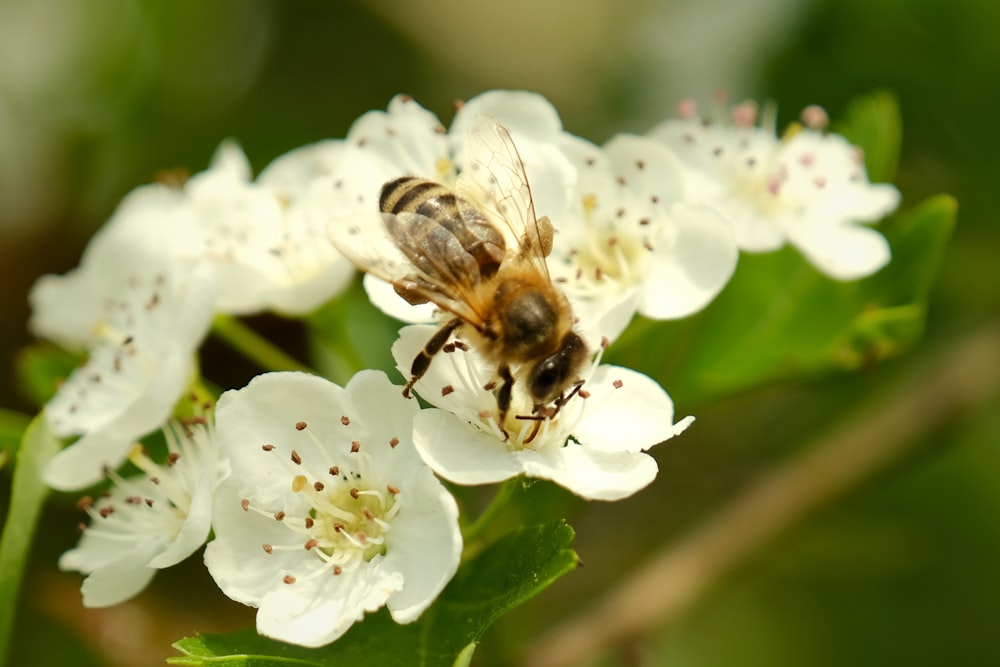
(679, 574)
(474, 531)
(26, 498)
(254, 346)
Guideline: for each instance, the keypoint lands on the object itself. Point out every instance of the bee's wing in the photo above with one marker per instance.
(420, 258)
(494, 179)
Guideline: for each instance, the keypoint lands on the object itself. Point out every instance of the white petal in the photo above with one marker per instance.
(843, 252)
(230, 159)
(424, 544)
(383, 296)
(604, 318)
(407, 138)
(753, 231)
(592, 474)
(454, 381)
(859, 202)
(685, 275)
(266, 411)
(143, 409)
(121, 579)
(299, 298)
(292, 173)
(647, 166)
(388, 417)
(632, 416)
(309, 615)
(197, 524)
(236, 559)
(460, 453)
(84, 463)
(524, 113)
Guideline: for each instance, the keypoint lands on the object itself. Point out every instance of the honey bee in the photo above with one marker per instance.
(478, 253)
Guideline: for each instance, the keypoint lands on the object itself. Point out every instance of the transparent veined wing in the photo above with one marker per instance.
(494, 179)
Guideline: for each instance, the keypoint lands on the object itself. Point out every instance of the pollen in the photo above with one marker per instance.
(444, 167)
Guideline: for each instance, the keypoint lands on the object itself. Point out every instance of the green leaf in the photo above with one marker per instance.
(873, 122)
(779, 318)
(27, 495)
(40, 369)
(512, 570)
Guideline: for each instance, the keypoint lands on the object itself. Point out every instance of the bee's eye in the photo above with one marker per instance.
(550, 376)
(547, 377)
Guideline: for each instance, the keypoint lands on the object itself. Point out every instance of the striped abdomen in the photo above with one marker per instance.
(446, 216)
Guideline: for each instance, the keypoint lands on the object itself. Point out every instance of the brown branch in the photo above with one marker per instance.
(963, 376)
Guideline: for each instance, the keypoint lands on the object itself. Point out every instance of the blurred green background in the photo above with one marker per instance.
(95, 97)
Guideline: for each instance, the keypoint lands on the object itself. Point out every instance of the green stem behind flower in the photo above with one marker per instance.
(27, 496)
(473, 533)
(254, 346)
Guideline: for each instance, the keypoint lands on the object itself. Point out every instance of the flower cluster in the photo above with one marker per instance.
(324, 501)
(806, 187)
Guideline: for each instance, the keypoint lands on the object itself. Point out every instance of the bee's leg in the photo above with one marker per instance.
(503, 398)
(423, 360)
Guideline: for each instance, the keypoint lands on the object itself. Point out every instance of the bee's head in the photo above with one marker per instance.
(550, 376)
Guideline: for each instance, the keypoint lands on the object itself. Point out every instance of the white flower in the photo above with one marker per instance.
(148, 522)
(265, 241)
(807, 188)
(268, 249)
(329, 512)
(594, 446)
(301, 269)
(72, 309)
(155, 314)
(633, 239)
